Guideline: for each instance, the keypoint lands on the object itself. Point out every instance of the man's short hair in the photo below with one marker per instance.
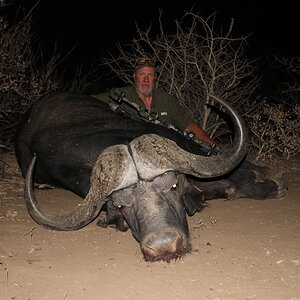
(145, 61)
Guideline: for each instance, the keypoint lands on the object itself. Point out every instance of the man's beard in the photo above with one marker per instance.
(145, 93)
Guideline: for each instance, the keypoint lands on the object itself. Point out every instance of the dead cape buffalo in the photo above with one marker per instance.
(138, 173)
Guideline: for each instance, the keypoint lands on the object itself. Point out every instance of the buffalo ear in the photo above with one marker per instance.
(193, 200)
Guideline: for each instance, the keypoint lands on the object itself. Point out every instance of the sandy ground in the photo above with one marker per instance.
(242, 249)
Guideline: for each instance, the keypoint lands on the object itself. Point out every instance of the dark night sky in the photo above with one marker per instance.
(95, 26)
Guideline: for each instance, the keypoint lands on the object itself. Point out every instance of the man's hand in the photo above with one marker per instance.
(200, 133)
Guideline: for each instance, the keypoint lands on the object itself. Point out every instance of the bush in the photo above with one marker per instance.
(275, 132)
(23, 75)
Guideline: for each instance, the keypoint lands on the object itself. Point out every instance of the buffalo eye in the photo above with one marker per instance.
(174, 187)
(121, 207)
(118, 206)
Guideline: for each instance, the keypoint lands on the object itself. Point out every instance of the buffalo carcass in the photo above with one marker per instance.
(134, 170)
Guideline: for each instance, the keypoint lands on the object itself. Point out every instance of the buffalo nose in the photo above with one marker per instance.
(164, 246)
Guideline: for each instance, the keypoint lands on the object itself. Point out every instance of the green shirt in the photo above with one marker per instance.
(165, 105)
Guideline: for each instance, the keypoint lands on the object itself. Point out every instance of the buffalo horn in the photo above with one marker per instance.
(155, 155)
(107, 176)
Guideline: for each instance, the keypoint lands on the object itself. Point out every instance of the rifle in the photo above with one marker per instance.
(148, 116)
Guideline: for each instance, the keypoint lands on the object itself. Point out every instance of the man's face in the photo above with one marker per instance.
(144, 79)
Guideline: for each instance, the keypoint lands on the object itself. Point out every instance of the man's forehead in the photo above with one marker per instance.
(146, 69)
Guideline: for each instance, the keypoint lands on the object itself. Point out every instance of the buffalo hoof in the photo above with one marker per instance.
(281, 184)
(277, 178)
(165, 246)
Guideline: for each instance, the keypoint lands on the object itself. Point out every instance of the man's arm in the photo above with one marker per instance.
(199, 133)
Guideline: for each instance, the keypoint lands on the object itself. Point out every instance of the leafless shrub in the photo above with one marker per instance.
(274, 121)
(196, 61)
(275, 132)
(24, 77)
